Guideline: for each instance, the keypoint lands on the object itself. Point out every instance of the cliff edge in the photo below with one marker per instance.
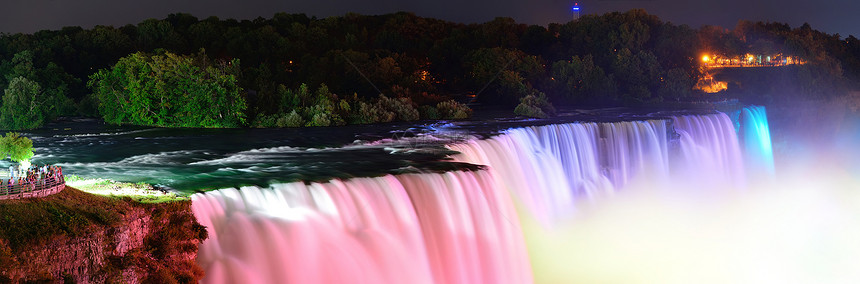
(79, 237)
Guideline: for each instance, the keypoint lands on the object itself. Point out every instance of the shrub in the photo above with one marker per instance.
(319, 119)
(292, 119)
(402, 107)
(264, 121)
(529, 110)
(453, 110)
(428, 112)
(372, 113)
(535, 105)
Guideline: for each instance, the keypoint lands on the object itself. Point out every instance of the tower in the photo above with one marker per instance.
(576, 11)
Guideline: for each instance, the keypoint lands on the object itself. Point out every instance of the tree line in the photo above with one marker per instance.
(295, 70)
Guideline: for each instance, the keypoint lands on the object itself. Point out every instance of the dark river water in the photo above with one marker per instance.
(191, 160)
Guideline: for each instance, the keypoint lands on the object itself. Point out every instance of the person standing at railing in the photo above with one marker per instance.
(31, 181)
(43, 179)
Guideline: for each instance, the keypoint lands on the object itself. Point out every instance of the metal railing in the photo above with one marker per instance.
(41, 187)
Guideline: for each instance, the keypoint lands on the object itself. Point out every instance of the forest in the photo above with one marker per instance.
(292, 70)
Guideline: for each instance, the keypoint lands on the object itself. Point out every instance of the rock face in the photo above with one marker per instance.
(156, 243)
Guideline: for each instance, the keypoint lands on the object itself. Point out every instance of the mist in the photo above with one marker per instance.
(800, 225)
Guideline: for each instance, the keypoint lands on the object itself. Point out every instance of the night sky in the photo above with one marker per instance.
(831, 16)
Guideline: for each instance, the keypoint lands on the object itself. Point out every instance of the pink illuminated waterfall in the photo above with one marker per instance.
(417, 228)
(454, 227)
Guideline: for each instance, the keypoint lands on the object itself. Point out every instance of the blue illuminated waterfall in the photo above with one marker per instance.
(755, 134)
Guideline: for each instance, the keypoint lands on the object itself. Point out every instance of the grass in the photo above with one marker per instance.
(140, 192)
(33, 221)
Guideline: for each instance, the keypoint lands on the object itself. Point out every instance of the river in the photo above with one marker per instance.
(191, 160)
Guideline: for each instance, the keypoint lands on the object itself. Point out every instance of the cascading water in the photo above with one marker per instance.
(755, 134)
(416, 228)
(548, 167)
(709, 150)
(454, 227)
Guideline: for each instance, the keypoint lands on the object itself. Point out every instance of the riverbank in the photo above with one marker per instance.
(141, 192)
(87, 238)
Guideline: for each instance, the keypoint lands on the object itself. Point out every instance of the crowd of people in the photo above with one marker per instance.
(31, 178)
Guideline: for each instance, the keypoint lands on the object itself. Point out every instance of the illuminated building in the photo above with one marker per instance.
(712, 60)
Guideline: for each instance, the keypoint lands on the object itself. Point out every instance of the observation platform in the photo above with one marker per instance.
(47, 184)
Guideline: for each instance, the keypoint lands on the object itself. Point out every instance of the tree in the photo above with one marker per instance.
(170, 90)
(502, 76)
(16, 147)
(677, 85)
(152, 34)
(22, 107)
(53, 81)
(580, 80)
(500, 32)
(638, 74)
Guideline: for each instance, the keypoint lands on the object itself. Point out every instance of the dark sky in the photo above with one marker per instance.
(831, 16)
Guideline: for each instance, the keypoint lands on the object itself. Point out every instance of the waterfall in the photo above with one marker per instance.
(454, 227)
(418, 228)
(709, 150)
(755, 134)
(549, 167)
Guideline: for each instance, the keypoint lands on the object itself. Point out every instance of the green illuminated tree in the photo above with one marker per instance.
(22, 107)
(170, 90)
(33, 94)
(16, 147)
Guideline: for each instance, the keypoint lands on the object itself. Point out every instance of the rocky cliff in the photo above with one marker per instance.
(93, 239)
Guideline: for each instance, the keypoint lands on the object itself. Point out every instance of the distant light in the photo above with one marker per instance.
(706, 58)
(576, 8)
